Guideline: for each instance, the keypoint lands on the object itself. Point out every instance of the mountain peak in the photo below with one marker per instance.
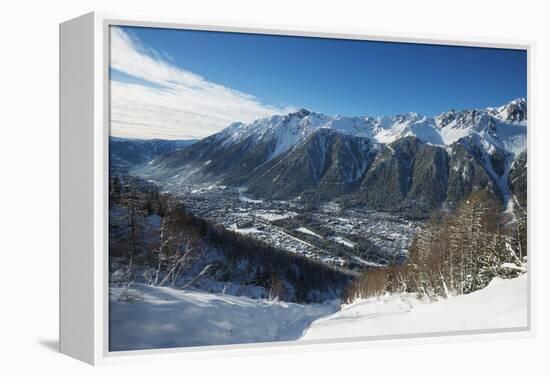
(513, 111)
(407, 117)
(302, 113)
(519, 100)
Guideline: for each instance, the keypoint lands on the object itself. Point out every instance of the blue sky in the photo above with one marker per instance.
(273, 74)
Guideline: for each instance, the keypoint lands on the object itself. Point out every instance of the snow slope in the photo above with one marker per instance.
(165, 317)
(503, 304)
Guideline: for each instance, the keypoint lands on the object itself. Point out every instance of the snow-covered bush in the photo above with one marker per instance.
(129, 295)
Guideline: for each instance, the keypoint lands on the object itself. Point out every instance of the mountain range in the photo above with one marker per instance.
(406, 163)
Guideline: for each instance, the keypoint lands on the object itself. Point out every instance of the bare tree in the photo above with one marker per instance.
(177, 246)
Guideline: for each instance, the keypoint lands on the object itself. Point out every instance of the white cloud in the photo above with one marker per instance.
(178, 104)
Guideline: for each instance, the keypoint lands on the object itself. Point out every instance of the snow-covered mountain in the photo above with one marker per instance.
(503, 127)
(401, 163)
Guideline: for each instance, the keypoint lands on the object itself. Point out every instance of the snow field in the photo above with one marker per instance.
(502, 304)
(165, 317)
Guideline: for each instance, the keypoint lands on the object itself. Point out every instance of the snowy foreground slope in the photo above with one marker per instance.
(165, 317)
(503, 304)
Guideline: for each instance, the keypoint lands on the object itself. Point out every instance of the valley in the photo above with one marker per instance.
(351, 239)
(350, 192)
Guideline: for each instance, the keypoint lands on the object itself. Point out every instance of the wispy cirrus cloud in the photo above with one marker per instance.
(168, 102)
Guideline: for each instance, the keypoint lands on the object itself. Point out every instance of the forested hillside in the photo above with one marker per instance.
(154, 239)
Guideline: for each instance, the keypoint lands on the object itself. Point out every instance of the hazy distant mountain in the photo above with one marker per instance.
(127, 153)
(408, 163)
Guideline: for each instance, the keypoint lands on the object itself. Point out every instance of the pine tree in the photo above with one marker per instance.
(130, 199)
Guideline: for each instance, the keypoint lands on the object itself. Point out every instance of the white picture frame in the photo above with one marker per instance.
(84, 132)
